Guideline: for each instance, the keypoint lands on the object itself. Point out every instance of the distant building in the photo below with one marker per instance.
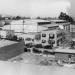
(36, 25)
(62, 24)
(33, 38)
(26, 27)
(28, 38)
(5, 33)
(65, 26)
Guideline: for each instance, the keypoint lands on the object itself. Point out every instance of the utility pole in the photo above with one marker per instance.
(10, 25)
(23, 25)
(37, 28)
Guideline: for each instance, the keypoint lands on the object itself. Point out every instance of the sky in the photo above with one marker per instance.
(45, 8)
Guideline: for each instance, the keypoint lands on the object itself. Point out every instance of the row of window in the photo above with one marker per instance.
(38, 37)
(50, 36)
(43, 41)
(50, 41)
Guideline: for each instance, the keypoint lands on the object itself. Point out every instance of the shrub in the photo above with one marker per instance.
(29, 45)
(46, 52)
(26, 50)
(48, 47)
(38, 46)
(36, 50)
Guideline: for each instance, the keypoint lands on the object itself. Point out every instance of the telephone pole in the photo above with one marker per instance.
(23, 25)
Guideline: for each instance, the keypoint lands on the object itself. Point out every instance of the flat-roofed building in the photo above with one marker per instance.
(56, 36)
(5, 33)
(31, 37)
(63, 24)
(26, 26)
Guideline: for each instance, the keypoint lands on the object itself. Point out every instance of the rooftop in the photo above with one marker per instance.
(50, 25)
(52, 29)
(6, 42)
(28, 21)
(25, 28)
(57, 20)
(64, 50)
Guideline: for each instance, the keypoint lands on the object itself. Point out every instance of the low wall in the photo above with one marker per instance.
(64, 56)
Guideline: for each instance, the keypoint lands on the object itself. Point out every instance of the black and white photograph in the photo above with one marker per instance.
(37, 37)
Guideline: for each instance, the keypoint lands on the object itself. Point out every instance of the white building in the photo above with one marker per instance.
(5, 33)
(26, 27)
(28, 38)
(55, 36)
(33, 38)
(62, 24)
(35, 25)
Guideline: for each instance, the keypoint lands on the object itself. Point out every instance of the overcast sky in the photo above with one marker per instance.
(50, 8)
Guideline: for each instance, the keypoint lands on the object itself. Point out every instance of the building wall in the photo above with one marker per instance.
(34, 38)
(67, 27)
(72, 30)
(5, 33)
(10, 51)
(59, 37)
(47, 37)
(61, 56)
(63, 24)
(55, 32)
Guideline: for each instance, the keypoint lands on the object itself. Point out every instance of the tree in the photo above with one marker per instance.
(18, 17)
(66, 17)
(38, 17)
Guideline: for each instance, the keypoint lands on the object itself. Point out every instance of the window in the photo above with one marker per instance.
(28, 39)
(59, 41)
(43, 35)
(59, 35)
(51, 42)
(51, 36)
(43, 41)
(38, 37)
